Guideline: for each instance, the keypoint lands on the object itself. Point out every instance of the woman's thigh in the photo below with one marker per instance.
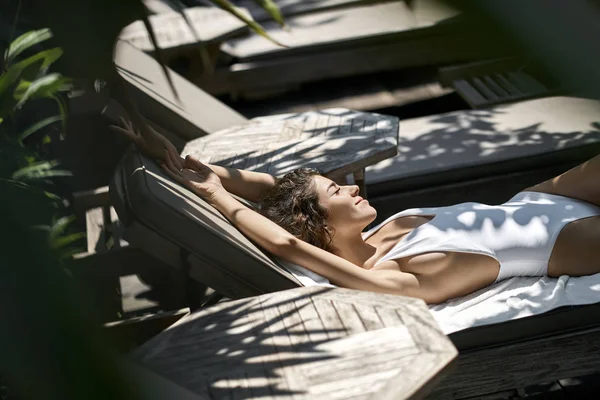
(581, 182)
(576, 251)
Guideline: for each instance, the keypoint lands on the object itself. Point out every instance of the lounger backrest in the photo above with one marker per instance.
(216, 253)
(195, 114)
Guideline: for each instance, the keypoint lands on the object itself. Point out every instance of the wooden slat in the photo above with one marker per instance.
(172, 31)
(469, 93)
(86, 199)
(483, 89)
(450, 74)
(507, 85)
(492, 84)
(526, 83)
(99, 233)
(490, 370)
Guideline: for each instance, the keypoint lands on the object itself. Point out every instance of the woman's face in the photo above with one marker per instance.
(346, 209)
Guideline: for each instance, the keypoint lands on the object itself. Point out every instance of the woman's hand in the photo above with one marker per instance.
(196, 176)
(150, 143)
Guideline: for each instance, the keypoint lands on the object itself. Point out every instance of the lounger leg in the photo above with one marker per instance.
(195, 292)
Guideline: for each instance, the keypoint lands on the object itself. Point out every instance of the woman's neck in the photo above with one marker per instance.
(353, 248)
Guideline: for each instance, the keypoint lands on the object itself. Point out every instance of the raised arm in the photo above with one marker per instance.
(248, 185)
(281, 243)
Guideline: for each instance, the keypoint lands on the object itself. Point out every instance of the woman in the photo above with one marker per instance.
(434, 254)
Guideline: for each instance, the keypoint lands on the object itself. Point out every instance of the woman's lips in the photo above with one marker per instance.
(359, 200)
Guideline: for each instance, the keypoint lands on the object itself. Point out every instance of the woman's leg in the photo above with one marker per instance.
(576, 251)
(581, 182)
(577, 248)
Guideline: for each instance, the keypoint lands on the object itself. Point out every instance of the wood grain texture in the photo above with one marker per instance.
(335, 141)
(488, 370)
(210, 24)
(320, 30)
(326, 343)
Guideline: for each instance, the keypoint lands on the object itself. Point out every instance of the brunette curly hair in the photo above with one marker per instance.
(293, 204)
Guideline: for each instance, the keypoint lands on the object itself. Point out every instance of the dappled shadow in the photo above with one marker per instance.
(298, 342)
(328, 140)
(480, 143)
(520, 233)
(246, 341)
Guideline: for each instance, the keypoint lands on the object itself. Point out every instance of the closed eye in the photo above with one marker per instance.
(337, 191)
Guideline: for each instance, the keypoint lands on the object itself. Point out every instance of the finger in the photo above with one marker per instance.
(122, 131)
(170, 164)
(124, 122)
(130, 126)
(175, 158)
(194, 163)
(174, 176)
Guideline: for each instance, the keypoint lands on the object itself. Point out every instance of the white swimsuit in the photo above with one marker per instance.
(519, 234)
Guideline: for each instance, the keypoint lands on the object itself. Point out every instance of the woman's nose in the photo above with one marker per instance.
(353, 190)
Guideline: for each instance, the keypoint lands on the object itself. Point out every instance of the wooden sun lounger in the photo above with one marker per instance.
(167, 220)
(327, 30)
(382, 36)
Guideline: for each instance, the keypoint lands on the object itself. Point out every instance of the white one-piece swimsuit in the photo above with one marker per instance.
(519, 234)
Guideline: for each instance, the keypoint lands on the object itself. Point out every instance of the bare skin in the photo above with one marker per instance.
(577, 248)
(434, 277)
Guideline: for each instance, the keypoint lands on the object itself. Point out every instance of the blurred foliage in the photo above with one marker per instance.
(25, 171)
(49, 347)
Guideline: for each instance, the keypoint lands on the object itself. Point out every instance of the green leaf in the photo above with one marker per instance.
(40, 61)
(63, 241)
(7, 79)
(273, 10)
(38, 125)
(25, 41)
(255, 26)
(62, 109)
(46, 86)
(40, 170)
(60, 226)
(47, 57)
